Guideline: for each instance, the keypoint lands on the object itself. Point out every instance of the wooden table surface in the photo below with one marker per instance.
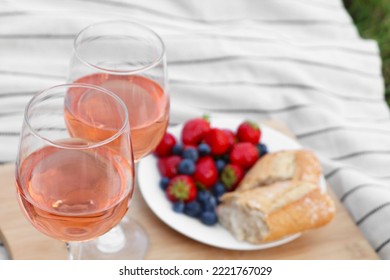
(340, 239)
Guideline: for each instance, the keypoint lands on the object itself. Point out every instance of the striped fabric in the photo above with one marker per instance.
(301, 62)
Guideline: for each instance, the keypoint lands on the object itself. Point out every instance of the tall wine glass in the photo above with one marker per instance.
(74, 188)
(128, 59)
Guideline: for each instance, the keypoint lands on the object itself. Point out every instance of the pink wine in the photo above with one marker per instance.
(146, 102)
(74, 194)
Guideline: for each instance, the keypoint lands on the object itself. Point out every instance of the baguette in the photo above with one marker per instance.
(271, 212)
(293, 165)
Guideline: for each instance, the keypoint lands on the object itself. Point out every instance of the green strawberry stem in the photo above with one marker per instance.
(228, 177)
(179, 190)
(206, 118)
(252, 124)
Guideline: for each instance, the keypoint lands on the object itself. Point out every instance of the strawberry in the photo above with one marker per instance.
(181, 188)
(244, 154)
(194, 131)
(168, 166)
(231, 137)
(206, 173)
(217, 140)
(249, 131)
(164, 148)
(231, 176)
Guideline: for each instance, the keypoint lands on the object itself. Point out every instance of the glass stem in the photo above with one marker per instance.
(74, 250)
(112, 241)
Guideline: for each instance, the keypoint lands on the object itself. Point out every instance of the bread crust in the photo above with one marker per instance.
(310, 211)
(292, 165)
(275, 211)
(308, 168)
(279, 196)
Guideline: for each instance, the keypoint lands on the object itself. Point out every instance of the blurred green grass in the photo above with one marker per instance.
(372, 18)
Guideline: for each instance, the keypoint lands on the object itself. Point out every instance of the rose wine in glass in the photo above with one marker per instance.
(72, 188)
(75, 206)
(128, 59)
(143, 97)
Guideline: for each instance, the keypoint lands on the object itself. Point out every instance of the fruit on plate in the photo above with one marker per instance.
(249, 131)
(217, 140)
(164, 181)
(244, 154)
(194, 131)
(262, 148)
(206, 173)
(220, 163)
(178, 206)
(218, 190)
(177, 149)
(204, 149)
(231, 137)
(164, 148)
(168, 166)
(209, 218)
(186, 166)
(193, 209)
(231, 176)
(181, 188)
(190, 153)
(205, 164)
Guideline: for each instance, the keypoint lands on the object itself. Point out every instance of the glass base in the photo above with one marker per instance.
(126, 241)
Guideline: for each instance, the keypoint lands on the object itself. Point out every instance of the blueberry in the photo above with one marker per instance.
(186, 166)
(193, 209)
(178, 206)
(190, 153)
(204, 149)
(177, 149)
(209, 218)
(203, 196)
(210, 204)
(206, 200)
(220, 163)
(262, 148)
(218, 190)
(164, 181)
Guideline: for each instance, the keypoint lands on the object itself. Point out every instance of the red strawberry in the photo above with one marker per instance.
(231, 176)
(165, 146)
(206, 173)
(249, 132)
(194, 131)
(181, 188)
(217, 140)
(244, 154)
(231, 137)
(168, 166)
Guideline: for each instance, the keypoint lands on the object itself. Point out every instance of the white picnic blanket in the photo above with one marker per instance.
(298, 61)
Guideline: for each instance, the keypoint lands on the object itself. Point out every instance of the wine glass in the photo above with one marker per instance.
(70, 188)
(128, 59)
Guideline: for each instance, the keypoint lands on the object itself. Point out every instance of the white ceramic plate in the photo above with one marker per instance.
(217, 236)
